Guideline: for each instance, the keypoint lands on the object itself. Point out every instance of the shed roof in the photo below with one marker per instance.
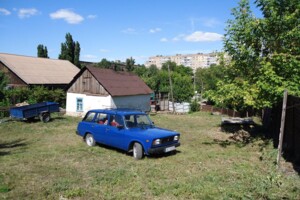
(119, 83)
(33, 70)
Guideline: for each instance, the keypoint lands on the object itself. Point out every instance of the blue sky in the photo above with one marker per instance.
(114, 29)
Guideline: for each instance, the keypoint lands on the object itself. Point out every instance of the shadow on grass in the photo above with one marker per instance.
(130, 154)
(37, 120)
(241, 136)
(8, 146)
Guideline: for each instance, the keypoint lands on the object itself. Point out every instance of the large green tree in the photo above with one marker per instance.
(265, 55)
(70, 50)
(42, 51)
(130, 64)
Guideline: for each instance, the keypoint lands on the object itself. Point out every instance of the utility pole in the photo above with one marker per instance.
(170, 80)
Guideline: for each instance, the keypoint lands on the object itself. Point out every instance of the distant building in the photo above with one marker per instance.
(24, 71)
(193, 61)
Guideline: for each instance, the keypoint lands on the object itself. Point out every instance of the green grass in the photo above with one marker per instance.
(49, 161)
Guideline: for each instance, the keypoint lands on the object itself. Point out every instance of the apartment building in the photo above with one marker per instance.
(193, 61)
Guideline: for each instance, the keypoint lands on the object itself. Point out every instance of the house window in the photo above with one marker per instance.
(79, 105)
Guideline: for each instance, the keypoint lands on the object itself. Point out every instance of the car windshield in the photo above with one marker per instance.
(137, 120)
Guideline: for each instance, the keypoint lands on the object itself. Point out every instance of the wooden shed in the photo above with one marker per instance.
(96, 88)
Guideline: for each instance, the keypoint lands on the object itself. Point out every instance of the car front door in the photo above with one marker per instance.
(116, 131)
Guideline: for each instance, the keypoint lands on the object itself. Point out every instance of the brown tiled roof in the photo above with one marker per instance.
(33, 70)
(120, 83)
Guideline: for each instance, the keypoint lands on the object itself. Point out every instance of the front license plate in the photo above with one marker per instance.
(170, 149)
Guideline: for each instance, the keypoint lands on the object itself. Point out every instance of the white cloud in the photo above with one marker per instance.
(164, 40)
(211, 22)
(129, 31)
(155, 30)
(67, 15)
(179, 37)
(92, 16)
(3, 11)
(89, 56)
(25, 13)
(104, 50)
(200, 36)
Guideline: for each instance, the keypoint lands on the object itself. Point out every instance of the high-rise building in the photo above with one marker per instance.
(194, 61)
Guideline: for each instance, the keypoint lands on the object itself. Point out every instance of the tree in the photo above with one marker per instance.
(265, 55)
(77, 54)
(209, 77)
(104, 63)
(42, 51)
(70, 50)
(130, 64)
(3, 83)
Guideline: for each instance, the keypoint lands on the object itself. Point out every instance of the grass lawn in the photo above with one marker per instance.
(49, 161)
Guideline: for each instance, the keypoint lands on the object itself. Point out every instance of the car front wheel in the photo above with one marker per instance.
(138, 152)
(89, 139)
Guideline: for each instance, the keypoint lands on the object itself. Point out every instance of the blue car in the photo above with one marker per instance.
(128, 130)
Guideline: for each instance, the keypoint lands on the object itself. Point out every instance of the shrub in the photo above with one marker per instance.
(195, 107)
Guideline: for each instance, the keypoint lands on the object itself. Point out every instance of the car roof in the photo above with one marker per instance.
(118, 111)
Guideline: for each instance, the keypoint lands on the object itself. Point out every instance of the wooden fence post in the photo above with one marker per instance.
(281, 134)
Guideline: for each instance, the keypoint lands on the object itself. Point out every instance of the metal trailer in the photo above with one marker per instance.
(29, 112)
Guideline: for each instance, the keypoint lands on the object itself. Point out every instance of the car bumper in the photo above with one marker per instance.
(163, 149)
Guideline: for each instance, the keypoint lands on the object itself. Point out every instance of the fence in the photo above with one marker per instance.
(291, 140)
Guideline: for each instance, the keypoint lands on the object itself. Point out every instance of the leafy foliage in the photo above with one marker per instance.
(42, 51)
(130, 64)
(70, 50)
(34, 95)
(195, 107)
(158, 80)
(207, 78)
(265, 55)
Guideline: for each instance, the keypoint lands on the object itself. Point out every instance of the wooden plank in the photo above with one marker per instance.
(281, 134)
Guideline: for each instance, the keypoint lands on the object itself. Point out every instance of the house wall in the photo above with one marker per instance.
(140, 102)
(88, 103)
(13, 80)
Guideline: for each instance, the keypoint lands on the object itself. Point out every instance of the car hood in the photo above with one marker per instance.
(154, 132)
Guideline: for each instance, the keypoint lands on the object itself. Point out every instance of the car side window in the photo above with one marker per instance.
(102, 118)
(130, 121)
(116, 120)
(89, 117)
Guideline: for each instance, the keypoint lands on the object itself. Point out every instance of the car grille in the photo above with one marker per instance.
(167, 139)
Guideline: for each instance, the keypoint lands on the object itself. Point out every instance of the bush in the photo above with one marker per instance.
(195, 107)
(34, 95)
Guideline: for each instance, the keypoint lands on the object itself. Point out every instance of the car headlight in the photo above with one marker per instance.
(176, 138)
(157, 142)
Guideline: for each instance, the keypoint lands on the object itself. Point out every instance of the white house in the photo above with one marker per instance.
(96, 88)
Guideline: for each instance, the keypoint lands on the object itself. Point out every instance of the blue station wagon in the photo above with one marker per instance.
(128, 130)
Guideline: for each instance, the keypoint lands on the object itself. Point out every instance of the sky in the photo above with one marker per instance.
(115, 29)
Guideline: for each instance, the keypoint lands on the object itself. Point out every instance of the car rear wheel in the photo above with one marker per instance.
(89, 139)
(138, 151)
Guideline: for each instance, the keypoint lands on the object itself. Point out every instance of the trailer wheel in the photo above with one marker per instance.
(45, 117)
